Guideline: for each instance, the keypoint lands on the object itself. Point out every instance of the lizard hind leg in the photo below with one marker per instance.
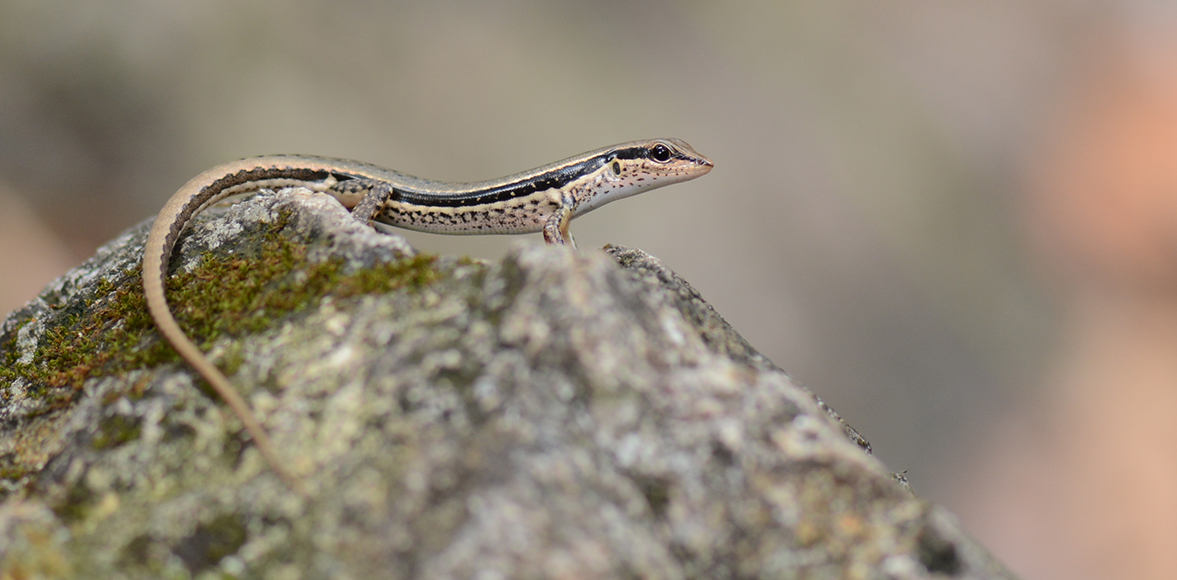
(375, 194)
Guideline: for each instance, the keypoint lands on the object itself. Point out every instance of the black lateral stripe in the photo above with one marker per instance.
(638, 152)
(508, 191)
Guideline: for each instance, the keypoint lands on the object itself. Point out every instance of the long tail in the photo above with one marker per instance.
(157, 254)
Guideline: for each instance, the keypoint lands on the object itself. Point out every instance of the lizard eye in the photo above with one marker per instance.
(660, 153)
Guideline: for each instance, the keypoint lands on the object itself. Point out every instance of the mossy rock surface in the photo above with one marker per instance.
(549, 415)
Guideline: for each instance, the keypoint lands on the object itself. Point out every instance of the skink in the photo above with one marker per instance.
(542, 199)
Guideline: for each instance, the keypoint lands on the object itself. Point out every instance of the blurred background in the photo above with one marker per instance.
(956, 222)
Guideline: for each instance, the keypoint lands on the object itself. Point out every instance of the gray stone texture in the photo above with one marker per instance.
(554, 415)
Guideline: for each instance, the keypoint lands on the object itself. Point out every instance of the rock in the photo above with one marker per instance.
(552, 415)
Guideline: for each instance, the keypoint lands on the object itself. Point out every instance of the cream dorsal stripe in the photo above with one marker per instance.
(544, 199)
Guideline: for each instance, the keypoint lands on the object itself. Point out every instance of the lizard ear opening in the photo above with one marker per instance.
(616, 167)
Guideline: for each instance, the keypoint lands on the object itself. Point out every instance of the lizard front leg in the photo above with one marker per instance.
(556, 232)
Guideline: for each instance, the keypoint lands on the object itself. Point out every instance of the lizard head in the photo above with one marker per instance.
(631, 168)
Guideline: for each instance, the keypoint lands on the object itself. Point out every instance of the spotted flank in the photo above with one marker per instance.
(524, 202)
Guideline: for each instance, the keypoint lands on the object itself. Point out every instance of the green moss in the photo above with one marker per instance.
(237, 295)
(8, 347)
(83, 340)
(115, 430)
(225, 295)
